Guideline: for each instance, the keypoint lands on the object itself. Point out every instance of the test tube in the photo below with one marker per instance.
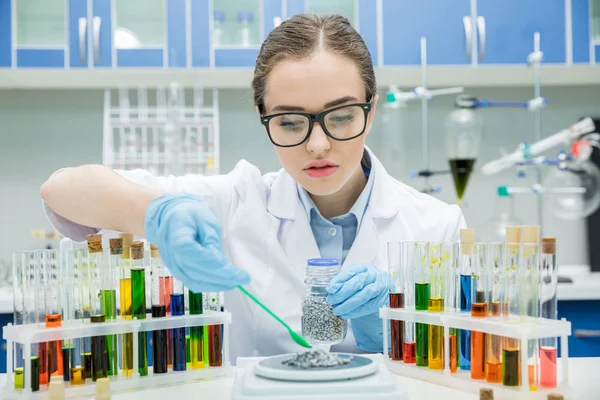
(529, 278)
(511, 356)
(125, 299)
(138, 301)
(178, 334)
(18, 269)
(394, 250)
(159, 337)
(66, 272)
(421, 267)
(479, 309)
(409, 351)
(449, 258)
(494, 342)
(548, 302)
(466, 265)
(215, 335)
(435, 304)
(99, 345)
(52, 293)
(40, 314)
(196, 332)
(81, 310)
(167, 286)
(110, 276)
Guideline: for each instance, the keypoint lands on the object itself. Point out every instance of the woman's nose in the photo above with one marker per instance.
(318, 142)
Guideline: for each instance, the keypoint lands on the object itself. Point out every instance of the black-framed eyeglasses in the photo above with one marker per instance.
(291, 129)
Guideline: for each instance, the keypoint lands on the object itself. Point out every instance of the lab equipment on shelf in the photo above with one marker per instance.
(320, 326)
(217, 32)
(176, 132)
(245, 19)
(512, 314)
(66, 326)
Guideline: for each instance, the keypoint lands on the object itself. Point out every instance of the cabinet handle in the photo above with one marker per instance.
(82, 35)
(587, 333)
(96, 23)
(468, 36)
(481, 32)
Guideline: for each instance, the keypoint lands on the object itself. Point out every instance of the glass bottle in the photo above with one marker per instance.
(319, 325)
(245, 19)
(218, 21)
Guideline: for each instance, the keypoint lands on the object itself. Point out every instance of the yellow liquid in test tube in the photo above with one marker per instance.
(127, 338)
(436, 340)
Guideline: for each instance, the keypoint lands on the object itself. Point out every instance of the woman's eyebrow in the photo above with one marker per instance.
(330, 104)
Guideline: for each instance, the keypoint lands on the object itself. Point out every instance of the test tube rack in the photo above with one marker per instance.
(521, 328)
(31, 334)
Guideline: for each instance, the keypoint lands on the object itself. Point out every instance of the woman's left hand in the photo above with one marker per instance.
(359, 290)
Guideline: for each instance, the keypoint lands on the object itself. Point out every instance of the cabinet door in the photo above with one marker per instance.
(200, 33)
(511, 24)
(139, 35)
(580, 14)
(41, 33)
(237, 32)
(583, 317)
(439, 21)
(5, 34)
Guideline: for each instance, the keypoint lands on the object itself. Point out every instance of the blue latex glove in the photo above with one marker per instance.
(188, 237)
(357, 293)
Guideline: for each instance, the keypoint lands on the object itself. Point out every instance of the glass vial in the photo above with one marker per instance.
(178, 334)
(409, 351)
(138, 301)
(125, 302)
(511, 354)
(496, 264)
(548, 303)
(159, 337)
(449, 256)
(420, 264)
(479, 309)
(466, 266)
(435, 304)
(394, 251)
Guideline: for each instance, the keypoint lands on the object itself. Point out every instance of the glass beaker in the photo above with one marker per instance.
(319, 324)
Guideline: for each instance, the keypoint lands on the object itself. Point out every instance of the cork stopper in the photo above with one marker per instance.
(94, 243)
(513, 237)
(531, 234)
(137, 250)
(467, 238)
(127, 240)
(486, 394)
(116, 246)
(56, 390)
(154, 251)
(555, 396)
(103, 389)
(549, 245)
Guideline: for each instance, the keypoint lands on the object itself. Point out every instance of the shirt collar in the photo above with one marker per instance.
(359, 207)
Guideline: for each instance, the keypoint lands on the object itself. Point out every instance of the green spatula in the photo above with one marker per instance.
(297, 338)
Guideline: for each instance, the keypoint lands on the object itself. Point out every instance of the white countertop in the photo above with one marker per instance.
(583, 379)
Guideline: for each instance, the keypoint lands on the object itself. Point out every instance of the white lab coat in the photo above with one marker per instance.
(266, 232)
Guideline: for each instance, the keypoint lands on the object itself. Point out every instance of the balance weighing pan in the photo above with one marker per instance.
(274, 368)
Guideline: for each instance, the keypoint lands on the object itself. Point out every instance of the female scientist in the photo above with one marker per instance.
(315, 91)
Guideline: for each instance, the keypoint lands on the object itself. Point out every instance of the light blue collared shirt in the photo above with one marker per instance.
(335, 236)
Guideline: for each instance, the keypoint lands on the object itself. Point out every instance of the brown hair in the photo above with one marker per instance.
(303, 34)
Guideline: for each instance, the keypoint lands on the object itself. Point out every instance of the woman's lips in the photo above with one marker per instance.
(320, 169)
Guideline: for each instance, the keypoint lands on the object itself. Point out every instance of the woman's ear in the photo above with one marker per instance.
(256, 109)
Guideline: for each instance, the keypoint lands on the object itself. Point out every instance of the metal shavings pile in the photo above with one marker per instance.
(316, 359)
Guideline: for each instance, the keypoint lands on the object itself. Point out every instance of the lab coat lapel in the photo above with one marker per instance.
(365, 248)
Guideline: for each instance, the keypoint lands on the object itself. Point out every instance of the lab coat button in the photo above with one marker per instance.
(332, 231)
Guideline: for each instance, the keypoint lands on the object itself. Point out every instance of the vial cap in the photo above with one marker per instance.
(549, 245)
(244, 16)
(137, 250)
(219, 16)
(323, 262)
(115, 243)
(94, 243)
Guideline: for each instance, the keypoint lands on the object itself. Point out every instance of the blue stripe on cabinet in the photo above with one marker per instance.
(200, 33)
(440, 21)
(102, 9)
(78, 46)
(597, 55)
(176, 28)
(511, 25)
(140, 58)
(367, 24)
(273, 8)
(580, 14)
(235, 57)
(5, 34)
(296, 7)
(44, 58)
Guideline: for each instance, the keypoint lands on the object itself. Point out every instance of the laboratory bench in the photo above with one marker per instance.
(583, 378)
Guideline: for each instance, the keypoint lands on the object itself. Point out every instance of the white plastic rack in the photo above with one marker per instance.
(522, 329)
(27, 335)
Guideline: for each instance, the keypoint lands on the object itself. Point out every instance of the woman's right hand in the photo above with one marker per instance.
(188, 237)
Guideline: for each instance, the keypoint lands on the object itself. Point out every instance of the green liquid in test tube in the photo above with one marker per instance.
(420, 262)
(196, 332)
(138, 283)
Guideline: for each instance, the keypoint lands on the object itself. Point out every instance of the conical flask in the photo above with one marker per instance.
(463, 135)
